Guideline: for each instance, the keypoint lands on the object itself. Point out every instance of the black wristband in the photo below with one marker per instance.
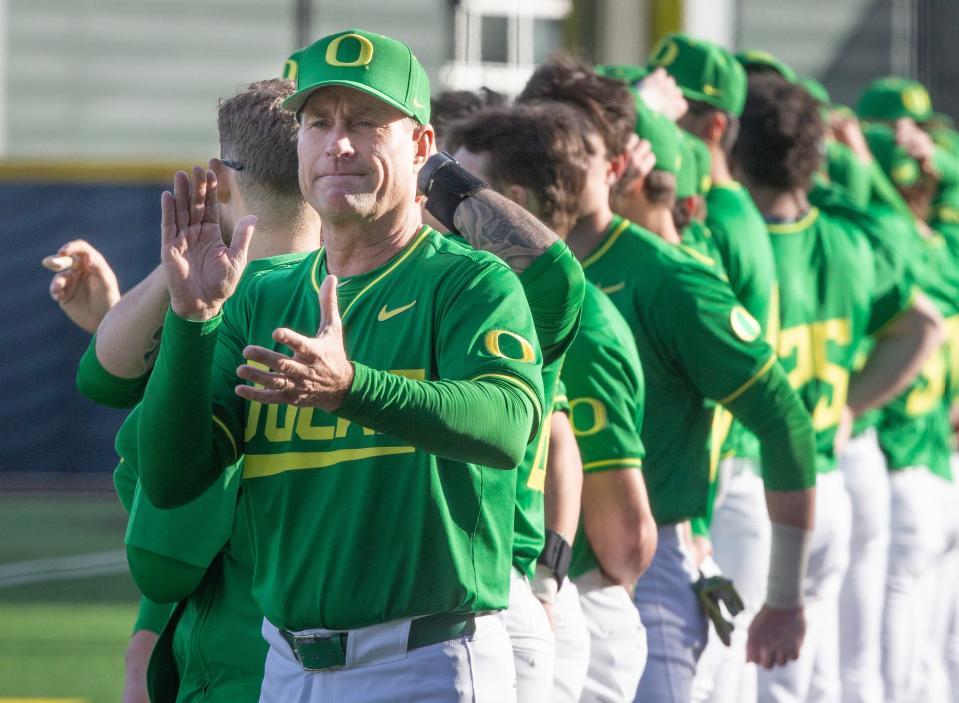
(556, 555)
(446, 184)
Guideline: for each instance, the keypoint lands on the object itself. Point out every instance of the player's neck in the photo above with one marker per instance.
(719, 169)
(273, 237)
(659, 221)
(589, 231)
(783, 206)
(355, 247)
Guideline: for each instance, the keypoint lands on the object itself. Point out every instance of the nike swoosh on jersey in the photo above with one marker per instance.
(609, 290)
(387, 314)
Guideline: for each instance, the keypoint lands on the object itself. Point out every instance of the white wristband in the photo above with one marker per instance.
(788, 557)
(544, 584)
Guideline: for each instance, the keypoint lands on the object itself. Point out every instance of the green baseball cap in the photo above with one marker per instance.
(371, 63)
(892, 98)
(759, 60)
(687, 179)
(663, 136)
(629, 74)
(704, 161)
(292, 66)
(817, 90)
(896, 163)
(703, 71)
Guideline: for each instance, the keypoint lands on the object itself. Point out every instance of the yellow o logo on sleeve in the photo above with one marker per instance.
(744, 325)
(365, 55)
(598, 413)
(493, 345)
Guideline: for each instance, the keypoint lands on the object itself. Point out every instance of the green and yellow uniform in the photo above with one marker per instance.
(838, 284)
(553, 286)
(606, 394)
(446, 381)
(740, 236)
(696, 341)
(213, 647)
(914, 428)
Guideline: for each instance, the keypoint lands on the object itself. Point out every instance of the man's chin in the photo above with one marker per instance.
(346, 205)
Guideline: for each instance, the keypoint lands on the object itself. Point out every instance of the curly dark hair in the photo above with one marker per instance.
(538, 146)
(452, 105)
(780, 142)
(607, 102)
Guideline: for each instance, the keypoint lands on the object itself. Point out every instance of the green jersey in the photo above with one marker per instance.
(739, 233)
(914, 429)
(837, 285)
(215, 643)
(604, 383)
(945, 222)
(695, 341)
(697, 241)
(325, 494)
(553, 286)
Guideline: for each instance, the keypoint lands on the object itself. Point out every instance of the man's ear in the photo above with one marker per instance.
(425, 144)
(518, 194)
(716, 125)
(224, 180)
(617, 167)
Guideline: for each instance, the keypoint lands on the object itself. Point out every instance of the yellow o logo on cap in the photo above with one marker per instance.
(666, 54)
(290, 69)
(916, 100)
(493, 347)
(366, 52)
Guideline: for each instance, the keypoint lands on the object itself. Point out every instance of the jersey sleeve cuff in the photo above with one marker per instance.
(183, 328)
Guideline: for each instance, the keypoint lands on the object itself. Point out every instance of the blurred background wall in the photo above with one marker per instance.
(102, 100)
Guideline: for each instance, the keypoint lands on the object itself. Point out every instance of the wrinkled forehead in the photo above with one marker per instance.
(340, 99)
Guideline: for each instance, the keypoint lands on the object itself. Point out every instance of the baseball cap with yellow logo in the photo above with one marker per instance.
(892, 98)
(292, 65)
(703, 71)
(371, 63)
(631, 75)
(662, 135)
(758, 60)
(902, 169)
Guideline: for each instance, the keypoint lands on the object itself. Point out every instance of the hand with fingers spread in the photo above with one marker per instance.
(201, 271)
(84, 284)
(317, 375)
(776, 636)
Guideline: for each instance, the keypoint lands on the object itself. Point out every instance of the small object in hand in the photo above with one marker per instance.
(717, 594)
(58, 263)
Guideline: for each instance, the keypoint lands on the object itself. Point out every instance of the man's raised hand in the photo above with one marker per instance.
(317, 375)
(201, 271)
(84, 284)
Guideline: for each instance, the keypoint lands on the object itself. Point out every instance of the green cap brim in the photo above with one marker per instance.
(295, 102)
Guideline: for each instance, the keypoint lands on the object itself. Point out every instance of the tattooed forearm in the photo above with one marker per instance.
(150, 356)
(495, 224)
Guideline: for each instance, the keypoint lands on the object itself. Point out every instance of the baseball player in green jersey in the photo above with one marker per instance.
(822, 327)
(388, 438)
(535, 153)
(514, 150)
(677, 309)
(714, 84)
(915, 435)
(198, 554)
(553, 284)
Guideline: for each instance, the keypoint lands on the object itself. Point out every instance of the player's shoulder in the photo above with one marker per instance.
(602, 325)
(450, 259)
(258, 268)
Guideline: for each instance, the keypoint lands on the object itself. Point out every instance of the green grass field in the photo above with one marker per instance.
(63, 635)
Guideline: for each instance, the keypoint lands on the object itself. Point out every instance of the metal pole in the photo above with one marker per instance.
(302, 22)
